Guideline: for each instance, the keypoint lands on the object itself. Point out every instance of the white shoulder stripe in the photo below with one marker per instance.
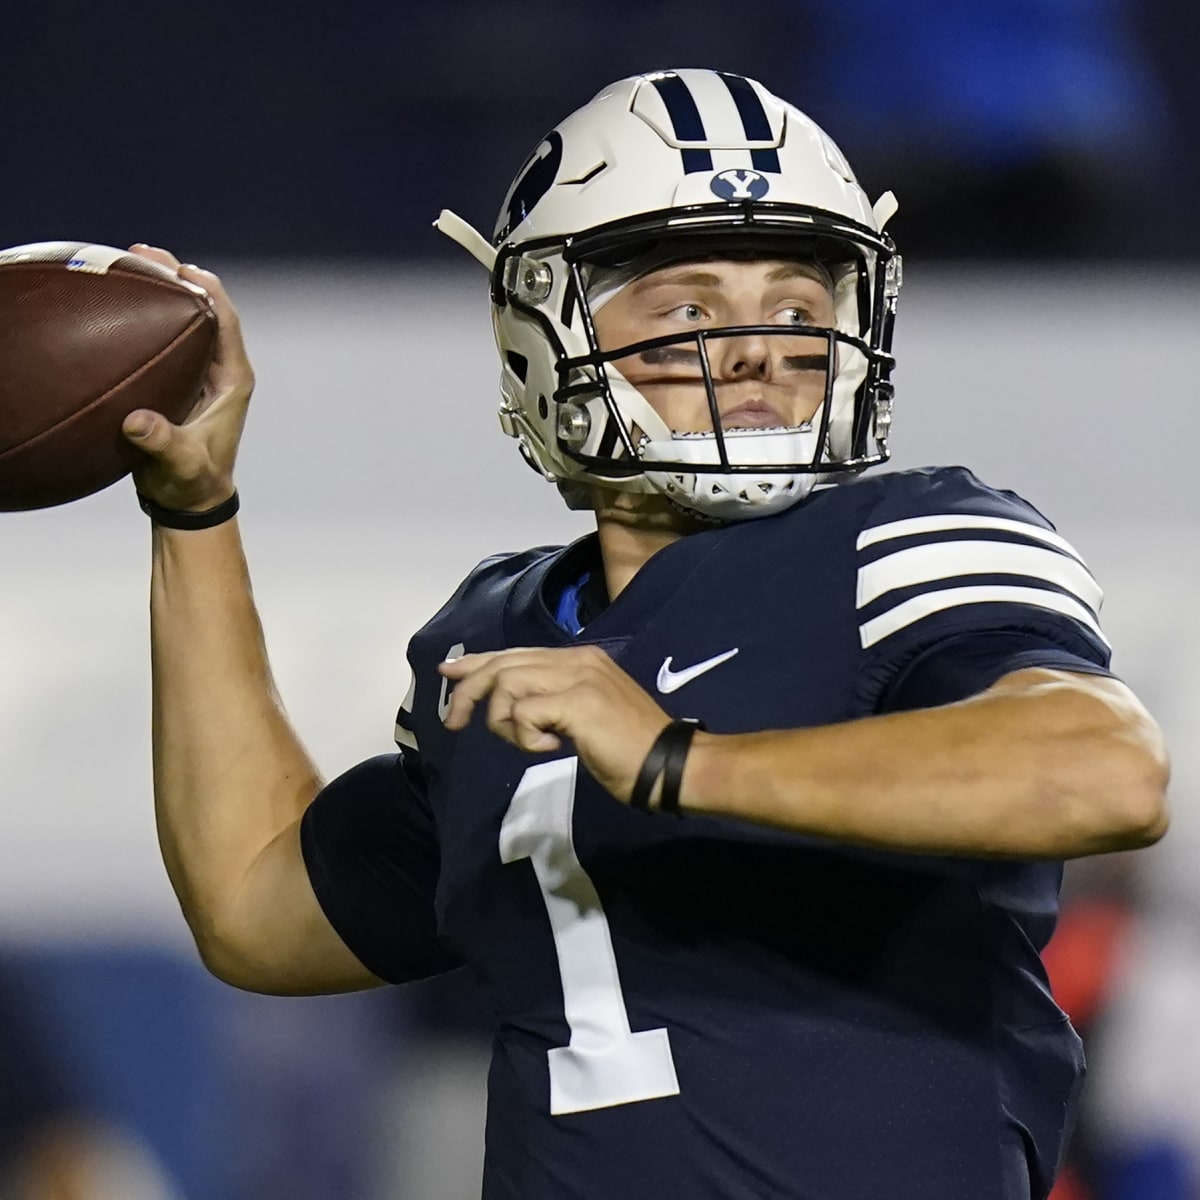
(406, 737)
(941, 522)
(928, 603)
(947, 560)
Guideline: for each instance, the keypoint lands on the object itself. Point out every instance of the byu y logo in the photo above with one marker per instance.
(535, 180)
(739, 185)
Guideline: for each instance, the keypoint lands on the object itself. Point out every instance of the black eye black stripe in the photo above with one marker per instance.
(754, 120)
(608, 441)
(685, 120)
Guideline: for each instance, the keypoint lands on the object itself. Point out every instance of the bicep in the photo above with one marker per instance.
(288, 946)
(1111, 701)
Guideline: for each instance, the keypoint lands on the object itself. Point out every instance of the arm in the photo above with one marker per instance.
(231, 779)
(1044, 764)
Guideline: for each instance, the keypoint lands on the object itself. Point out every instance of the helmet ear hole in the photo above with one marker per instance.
(543, 408)
(519, 364)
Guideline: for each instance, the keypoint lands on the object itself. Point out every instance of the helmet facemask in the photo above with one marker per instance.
(604, 429)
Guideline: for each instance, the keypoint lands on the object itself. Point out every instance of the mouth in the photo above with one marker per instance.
(752, 414)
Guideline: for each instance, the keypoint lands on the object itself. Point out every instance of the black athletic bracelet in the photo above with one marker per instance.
(179, 518)
(666, 758)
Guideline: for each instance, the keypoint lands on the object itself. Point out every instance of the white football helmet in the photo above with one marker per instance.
(670, 166)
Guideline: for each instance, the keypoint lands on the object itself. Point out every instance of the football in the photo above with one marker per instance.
(88, 334)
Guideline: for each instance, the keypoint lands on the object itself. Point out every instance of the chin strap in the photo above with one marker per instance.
(467, 236)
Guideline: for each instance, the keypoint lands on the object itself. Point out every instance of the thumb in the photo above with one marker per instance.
(147, 430)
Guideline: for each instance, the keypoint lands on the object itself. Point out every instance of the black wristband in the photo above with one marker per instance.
(666, 758)
(178, 518)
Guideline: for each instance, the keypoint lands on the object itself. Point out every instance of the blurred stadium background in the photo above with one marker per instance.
(1044, 156)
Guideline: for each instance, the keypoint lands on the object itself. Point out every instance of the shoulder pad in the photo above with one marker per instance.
(473, 618)
(940, 552)
(944, 494)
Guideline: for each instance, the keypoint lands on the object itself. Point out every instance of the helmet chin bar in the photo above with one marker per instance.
(746, 487)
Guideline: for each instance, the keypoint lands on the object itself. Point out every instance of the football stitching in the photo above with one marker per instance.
(79, 412)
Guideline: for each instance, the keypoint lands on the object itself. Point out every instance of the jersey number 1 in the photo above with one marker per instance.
(605, 1063)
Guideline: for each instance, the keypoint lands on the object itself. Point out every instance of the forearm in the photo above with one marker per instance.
(1044, 770)
(230, 775)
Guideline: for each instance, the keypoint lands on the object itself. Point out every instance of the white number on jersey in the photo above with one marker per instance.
(605, 1063)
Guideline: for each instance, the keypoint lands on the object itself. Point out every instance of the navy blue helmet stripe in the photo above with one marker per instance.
(754, 120)
(685, 120)
(765, 160)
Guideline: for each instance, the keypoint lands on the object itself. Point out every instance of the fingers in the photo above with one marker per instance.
(527, 704)
(531, 722)
(164, 258)
(231, 364)
(540, 698)
(476, 676)
(230, 359)
(191, 465)
(509, 715)
(148, 430)
(508, 675)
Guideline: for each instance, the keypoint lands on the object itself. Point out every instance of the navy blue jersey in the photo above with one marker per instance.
(701, 1007)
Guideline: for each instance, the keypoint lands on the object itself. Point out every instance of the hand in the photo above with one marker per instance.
(190, 466)
(538, 697)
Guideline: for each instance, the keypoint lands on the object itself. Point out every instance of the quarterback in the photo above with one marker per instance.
(747, 811)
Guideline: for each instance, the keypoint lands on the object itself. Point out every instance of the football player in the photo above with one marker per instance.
(747, 811)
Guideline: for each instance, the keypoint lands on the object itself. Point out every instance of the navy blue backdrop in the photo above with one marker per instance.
(1030, 128)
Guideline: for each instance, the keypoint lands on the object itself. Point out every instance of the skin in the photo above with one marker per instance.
(759, 380)
(1043, 764)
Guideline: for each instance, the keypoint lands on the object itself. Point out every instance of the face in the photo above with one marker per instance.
(760, 379)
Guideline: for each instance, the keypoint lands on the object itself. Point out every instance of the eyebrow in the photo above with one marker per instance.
(695, 278)
(790, 270)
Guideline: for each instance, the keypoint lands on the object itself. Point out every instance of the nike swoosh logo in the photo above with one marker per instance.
(672, 681)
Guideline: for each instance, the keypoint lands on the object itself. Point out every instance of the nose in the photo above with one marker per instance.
(747, 356)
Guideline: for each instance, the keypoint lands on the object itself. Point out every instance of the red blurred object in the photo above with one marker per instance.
(1068, 1187)
(1084, 955)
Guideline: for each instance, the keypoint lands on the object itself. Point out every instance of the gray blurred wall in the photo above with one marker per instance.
(374, 476)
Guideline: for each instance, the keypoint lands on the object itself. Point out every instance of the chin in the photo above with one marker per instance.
(643, 510)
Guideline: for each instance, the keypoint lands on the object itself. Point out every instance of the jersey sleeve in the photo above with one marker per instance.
(371, 849)
(957, 585)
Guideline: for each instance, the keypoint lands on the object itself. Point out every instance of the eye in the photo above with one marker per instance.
(795, 316)
(688, 312)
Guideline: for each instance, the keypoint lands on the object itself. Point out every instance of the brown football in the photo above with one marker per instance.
(88, 334)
